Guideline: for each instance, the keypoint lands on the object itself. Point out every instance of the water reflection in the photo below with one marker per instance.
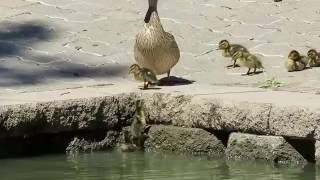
(146, 166)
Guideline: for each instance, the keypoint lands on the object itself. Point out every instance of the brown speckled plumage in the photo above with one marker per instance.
(155, 48)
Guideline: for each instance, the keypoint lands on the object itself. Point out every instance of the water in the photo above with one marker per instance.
(147, 166)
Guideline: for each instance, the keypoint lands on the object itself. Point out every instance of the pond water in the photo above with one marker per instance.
(146, 166)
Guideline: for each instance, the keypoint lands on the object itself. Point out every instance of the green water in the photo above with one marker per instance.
(128, 166)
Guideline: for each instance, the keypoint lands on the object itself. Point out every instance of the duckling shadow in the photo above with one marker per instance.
(258, 72)
(252, 73)
(231, 66)
(174, 81)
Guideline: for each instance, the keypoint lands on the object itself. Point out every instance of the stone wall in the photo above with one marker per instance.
(275, 130)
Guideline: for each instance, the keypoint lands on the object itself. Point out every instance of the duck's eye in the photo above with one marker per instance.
(149, 73)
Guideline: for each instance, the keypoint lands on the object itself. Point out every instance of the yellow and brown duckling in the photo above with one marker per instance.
(155, 48)
(138, 126)
(295, 61)
(143, 74)
(248, 60)
(313, 58)
(137, 131)
(228, 50)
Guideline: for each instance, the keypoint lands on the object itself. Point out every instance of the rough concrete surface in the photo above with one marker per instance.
(116, 111)
(317, 152)
(65, 116)
(183, 140)
(270, 148)
(49, 45)
(83, 145)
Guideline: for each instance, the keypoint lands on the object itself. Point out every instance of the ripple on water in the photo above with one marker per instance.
(146, 166)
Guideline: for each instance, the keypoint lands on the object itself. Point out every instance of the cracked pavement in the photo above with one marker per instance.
(55, 46)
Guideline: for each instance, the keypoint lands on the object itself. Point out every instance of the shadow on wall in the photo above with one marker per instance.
(20, 65)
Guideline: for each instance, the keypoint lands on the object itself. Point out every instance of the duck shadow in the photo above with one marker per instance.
(149, 88)
(174, 81)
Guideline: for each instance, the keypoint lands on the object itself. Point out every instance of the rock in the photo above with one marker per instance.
(111, 112)
(213, 114)
(294, 122)
(78, 145)
(317, 152)
(20, 120)
(81, 114)
(186, 140)
(165, 108)
(253, 147)
(82, 145)
(244, 117)
(124, 136)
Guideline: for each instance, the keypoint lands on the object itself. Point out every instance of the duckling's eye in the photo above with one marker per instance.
(149, 73)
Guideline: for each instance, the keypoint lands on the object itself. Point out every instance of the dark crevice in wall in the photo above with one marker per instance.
(41, 144)
(306, 147)
(223, 136)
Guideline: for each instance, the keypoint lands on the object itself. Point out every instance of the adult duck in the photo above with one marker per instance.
(155, 48)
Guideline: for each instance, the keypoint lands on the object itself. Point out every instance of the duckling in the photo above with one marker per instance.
(138, 126)
(155, 48)
(295, 61)
(228, 49)
(143, 74)
(313, 58)
(248, 60)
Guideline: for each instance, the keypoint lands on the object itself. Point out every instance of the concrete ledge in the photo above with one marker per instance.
(115, 111)
(186, 140)
(64, 116)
